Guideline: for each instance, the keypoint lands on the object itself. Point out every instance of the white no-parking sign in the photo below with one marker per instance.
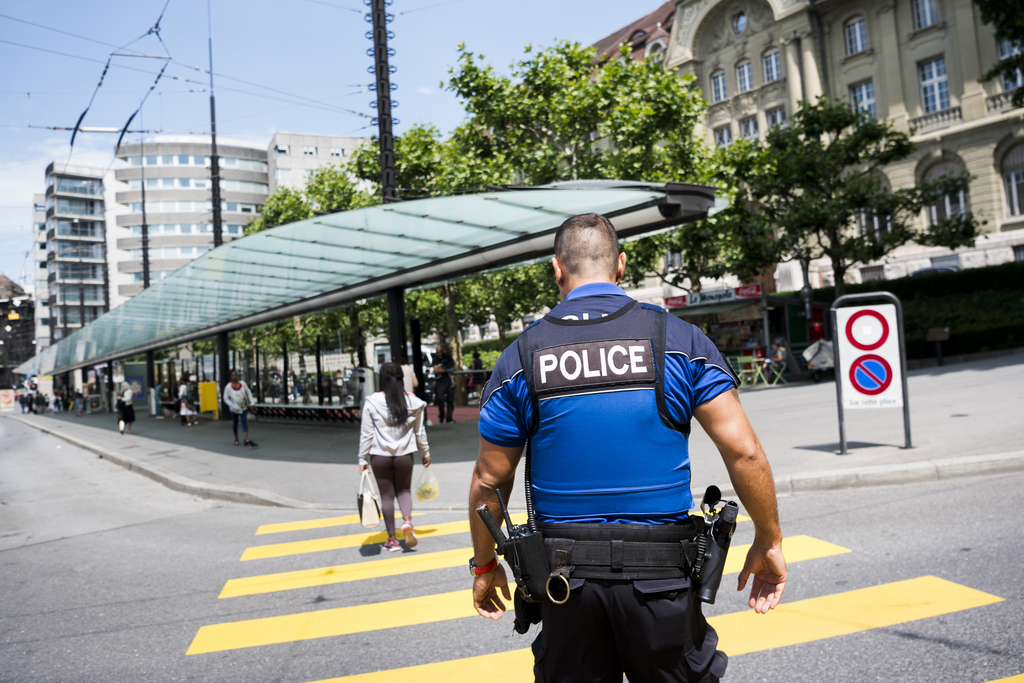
(868, 363)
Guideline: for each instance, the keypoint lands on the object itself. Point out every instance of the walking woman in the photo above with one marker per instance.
(393, 425)
(188, 416)
(125, 409)
(238, 399)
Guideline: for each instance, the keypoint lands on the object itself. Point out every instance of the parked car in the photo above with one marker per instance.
(934, 270)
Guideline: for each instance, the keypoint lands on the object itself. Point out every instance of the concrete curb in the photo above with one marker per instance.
(178, 482)
(856, 477)
(903, 473)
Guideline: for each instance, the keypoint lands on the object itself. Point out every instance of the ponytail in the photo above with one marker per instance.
(394, 392)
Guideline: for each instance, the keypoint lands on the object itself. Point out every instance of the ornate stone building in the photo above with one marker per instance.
(913, 62)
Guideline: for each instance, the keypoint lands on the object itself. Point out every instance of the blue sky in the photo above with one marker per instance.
(312, 49)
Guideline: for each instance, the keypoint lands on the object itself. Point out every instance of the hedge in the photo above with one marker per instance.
(984, 307)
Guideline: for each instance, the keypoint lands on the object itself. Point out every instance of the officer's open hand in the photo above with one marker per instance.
(768, 567)
(485, 593)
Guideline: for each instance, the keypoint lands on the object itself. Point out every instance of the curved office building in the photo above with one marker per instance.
(179, 216)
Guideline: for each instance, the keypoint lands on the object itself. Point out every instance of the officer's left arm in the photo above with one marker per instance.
(723, 420)
(495, 470)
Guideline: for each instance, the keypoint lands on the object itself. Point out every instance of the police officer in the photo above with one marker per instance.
(603, 388)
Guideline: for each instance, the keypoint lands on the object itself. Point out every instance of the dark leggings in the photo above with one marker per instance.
(394, 478)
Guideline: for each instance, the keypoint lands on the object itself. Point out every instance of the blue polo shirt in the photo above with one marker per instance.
(585, 488)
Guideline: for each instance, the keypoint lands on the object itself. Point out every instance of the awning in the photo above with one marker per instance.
(689, 311)
(340, 258)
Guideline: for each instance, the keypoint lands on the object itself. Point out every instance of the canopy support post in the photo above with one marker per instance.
(417, 356)
(284, 372)
(396, 321)
(150, 381)
(319, 380)
(224, 371)
(110, 387)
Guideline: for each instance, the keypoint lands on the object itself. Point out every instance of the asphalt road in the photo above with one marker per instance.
(107, 576)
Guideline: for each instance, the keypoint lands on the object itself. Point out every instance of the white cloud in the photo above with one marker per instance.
(425, 90)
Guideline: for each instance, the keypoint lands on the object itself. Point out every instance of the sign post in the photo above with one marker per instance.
(870, 352)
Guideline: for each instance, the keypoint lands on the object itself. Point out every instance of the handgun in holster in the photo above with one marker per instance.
(523, 550)
(713, 543)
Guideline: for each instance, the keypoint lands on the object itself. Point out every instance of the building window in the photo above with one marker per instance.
(926, 13)
(744, 77)
(1013, 179)
(739, 24)
(337, 153)
(856, 37)
(950, 204)
(1007, 49)
(951, 260)
(723, 136)
(871, 224)
(309, 151)
(772, 66)
(718, 91)
(282, 150)
(748, 128)
(934, 85)
(776, 117)
(1018, 253)
(282, 173)
(872, 273)
(862, 97)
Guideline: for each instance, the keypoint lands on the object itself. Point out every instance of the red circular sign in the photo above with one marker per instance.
(870, 374)
(874, 314)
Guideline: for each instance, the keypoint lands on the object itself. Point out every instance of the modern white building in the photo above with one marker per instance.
(291, 157)
(179, 210)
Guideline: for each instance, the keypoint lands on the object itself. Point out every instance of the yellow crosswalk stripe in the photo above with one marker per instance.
(796, 549)
(343, 573)
(744, 632)
(1011, 679)
(515, 666)
(355, 540)
(321, 523)
(739, 633)
(333, 622)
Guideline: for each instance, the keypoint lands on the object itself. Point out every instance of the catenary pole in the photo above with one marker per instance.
(214, 159)
(382, 69)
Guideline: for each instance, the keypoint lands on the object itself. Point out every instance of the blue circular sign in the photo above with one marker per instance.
(870, 374)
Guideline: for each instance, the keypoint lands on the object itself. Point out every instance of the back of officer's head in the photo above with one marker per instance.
(587, 246)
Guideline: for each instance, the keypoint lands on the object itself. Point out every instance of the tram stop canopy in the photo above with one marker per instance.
(339, 258)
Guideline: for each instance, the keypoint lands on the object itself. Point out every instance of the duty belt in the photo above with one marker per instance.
(620, 551)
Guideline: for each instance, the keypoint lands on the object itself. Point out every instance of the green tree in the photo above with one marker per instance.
(817, 187)
(557, 117)
(508, 295)
(1008, 18)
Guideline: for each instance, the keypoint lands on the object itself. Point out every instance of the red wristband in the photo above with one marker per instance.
(480, 571)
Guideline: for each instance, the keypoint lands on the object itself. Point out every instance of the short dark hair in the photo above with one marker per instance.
(586, 243)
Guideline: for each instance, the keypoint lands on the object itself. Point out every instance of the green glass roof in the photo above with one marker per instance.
(340, 258)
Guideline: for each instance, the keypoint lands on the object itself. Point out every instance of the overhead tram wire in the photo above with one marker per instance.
(315, 104)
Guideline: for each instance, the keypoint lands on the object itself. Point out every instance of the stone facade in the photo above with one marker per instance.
(913, 62)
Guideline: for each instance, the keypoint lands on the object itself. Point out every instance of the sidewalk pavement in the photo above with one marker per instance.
(966, 420)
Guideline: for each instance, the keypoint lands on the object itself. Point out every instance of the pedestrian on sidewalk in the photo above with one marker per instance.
(444, 387)
(79, 403)
(56, 403)
(409, 381)
(125, 409)
(188, 416)
(392, 428)
(238, 398)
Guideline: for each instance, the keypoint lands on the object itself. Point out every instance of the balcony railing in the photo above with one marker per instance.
(936, 119)
(1000, 101)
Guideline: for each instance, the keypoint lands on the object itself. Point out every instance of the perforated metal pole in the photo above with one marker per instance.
(382, 69)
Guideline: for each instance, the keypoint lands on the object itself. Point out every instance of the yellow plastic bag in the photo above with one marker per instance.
(427, 487)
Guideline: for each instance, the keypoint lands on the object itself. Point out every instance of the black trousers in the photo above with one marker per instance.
(445, 396)
(608, 628)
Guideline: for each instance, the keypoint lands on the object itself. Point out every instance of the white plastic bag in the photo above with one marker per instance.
(427, 487)
(368, 502)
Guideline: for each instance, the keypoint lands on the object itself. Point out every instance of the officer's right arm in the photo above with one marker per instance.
(495, 471)
(725, 422)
